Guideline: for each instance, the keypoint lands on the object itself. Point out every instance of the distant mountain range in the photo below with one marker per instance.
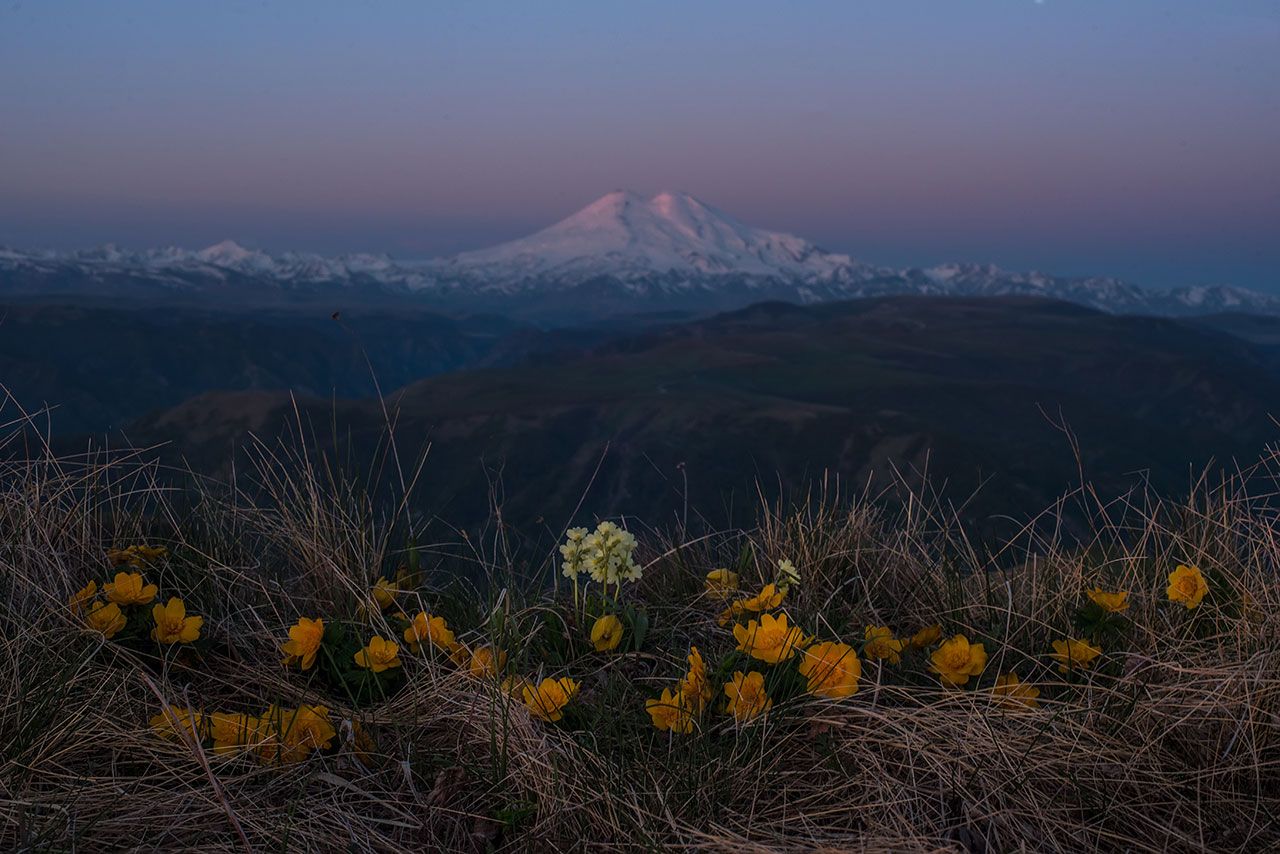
(977, 392)
(622, 254)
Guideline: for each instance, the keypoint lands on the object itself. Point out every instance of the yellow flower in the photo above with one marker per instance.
(771, 640)
(297, 733)
(460, 654)
(381, 654)
(1187, 585)
(881, 644)
(957, 660)
(747, 696)
(233, 730)
(926, 637)
(832, 669)
(546, 702)
(384, 593)
(721, 581)
(767, 599)
(82, 597)
(671, 711)
(173, 625)
(178, 720)
(136, 555)
(728, 615)
(694, 686)
(485, 664)
(128, 589)
(1072, 654)
(105, 619)
(606, 633)
(1012, 693)
(434, 630)
(1112, 603)
(513, 686)
(303, 643)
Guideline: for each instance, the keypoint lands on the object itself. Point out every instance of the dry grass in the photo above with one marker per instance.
(1170, 744)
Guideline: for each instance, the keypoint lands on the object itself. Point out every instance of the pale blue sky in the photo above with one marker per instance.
(1138, 138)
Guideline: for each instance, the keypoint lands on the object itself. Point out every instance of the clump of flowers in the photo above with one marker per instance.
(831, 669)
(957, 660)
(380, 654)
(788, 575)
(547, 700)
(771, 640)
(1187, 585)
(173, 625)
(1072, 654)
(1112, 602)
(606, 633)
(1010, 692)
(304, 643)
(279, 735)
(748, 698)
(881, 645)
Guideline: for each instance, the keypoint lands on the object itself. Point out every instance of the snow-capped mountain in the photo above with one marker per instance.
(621, 253)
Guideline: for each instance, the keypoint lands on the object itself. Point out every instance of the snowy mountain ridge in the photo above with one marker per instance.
(622, 252)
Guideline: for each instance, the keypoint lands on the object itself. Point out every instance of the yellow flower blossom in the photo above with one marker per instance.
(1112, 603)
(381, 654)
(432, 630)
(106, 619)
(926, 637)
(136, 555)
(485, 663)
(296, 733)
(770, 640)
(1012, 693)
(721, 582)
(671, 711)
(694, 686)
(460, 654)
(1187, 585)
(957, 660)
(881, 645)
(1072, 654)
(747, 696)
(177, 721)
(767, 599)
(303, 643)
(173, 625)
(128, 589)
(606, 633)
(546, 702)
(513, 686)
(384, 593)
(82, 597)
(832, 669)
(232, 731)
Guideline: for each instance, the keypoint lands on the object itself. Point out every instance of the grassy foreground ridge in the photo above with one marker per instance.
(283, 667)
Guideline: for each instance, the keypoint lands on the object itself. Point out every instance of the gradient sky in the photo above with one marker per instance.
(1133, 138)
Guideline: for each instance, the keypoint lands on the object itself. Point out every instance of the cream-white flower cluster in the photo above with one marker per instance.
(788, 575)
(573, 553)
(607, 554)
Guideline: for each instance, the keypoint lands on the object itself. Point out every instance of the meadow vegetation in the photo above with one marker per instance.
(279, 664)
